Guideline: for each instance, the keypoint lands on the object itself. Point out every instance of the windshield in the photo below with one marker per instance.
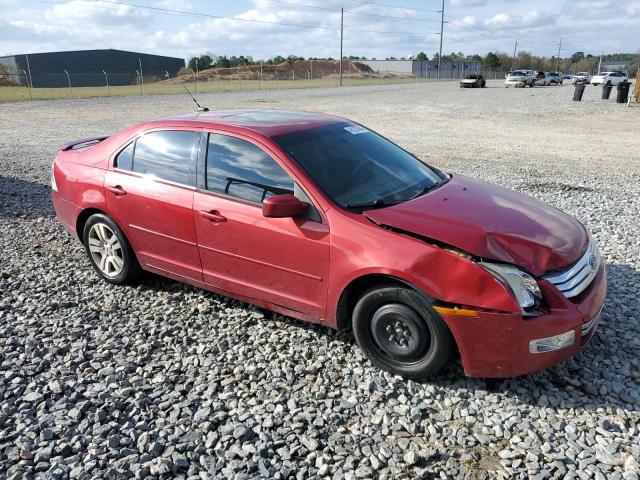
(356, 167)
(518, 73)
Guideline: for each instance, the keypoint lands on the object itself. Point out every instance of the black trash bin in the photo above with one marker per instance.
(623, 92)
(577, 94)
(606, 91)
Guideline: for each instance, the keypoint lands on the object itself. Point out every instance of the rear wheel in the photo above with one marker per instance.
(399, 332)
(109, 251)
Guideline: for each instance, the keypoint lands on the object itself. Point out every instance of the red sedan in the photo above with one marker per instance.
(321, 219)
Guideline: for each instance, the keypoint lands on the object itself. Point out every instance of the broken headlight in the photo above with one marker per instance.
(523, 286)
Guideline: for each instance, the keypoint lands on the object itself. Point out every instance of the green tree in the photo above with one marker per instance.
(576, 57)
(422, 56)
(491, 61)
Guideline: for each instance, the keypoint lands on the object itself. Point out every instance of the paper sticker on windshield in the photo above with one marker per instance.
(355, 129)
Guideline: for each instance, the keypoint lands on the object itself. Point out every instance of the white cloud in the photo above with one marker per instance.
(96, 14)
(77, 24)
(530, 19)
(469, 3)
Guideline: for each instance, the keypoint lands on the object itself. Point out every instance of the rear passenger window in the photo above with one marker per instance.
(124, 160)
(240, 169)
(166, 154)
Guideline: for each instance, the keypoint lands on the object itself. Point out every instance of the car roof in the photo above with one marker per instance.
(267, 122)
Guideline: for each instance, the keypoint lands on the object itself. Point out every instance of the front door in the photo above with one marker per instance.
(284, 261)
(150, 195)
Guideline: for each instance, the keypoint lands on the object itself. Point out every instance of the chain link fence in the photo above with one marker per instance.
(66, 84)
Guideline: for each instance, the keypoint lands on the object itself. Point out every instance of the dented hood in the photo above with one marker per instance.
(490, 222)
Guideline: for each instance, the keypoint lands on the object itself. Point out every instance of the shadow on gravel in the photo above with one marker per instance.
(24, 199)
(575, 383)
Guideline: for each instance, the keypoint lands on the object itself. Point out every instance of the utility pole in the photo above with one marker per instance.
(441, 35)
(558, 58)
(600, 62)
(513, 62)
(341, 39)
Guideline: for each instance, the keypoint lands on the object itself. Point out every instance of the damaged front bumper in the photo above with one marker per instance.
(494, 345)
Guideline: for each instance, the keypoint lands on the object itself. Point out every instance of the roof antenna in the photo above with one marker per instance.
(200, 109)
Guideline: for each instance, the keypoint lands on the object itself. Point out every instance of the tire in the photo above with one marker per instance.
(398, 331)
(608, 82)
(103, 239)
(483, 84)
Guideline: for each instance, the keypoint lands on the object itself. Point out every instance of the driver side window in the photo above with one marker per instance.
(240, 169)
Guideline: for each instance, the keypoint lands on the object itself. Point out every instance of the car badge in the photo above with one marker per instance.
(592, 262)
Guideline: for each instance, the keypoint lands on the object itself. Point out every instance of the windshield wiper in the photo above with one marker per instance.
(426, 189)
(378, 202)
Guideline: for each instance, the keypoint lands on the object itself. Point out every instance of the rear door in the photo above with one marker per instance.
(150, 195)
(284, 261)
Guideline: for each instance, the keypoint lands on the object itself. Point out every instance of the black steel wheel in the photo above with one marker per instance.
(399, 331)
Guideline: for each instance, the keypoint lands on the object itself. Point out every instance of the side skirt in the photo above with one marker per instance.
(238, 296)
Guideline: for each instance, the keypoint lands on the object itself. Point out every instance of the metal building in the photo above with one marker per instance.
(87, 68)
(424, 68)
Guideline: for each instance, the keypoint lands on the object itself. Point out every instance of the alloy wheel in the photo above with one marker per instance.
(106, 250)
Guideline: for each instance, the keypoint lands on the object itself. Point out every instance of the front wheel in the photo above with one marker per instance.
(398, 330)
(109, 251)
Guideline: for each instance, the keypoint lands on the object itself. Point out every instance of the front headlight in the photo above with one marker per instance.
(523, 286)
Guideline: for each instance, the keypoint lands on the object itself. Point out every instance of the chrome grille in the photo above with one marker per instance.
(572, 281)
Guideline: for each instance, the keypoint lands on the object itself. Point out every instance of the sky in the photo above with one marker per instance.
(372, 28)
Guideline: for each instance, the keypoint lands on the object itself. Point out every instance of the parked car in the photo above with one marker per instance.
(319, 218)
(473, 81)
(608, 78)
(581, 77)
(542, 79)
(568, 77)
(555, 78)
(519, 78)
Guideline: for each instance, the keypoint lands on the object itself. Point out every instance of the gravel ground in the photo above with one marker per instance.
(164, 380)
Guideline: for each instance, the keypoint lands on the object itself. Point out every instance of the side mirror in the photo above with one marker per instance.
(283, 206)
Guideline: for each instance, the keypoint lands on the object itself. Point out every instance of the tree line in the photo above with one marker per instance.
(500, 61)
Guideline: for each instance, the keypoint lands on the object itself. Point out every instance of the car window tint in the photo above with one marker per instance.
(239, 168)
(166, 154)
(124, 160)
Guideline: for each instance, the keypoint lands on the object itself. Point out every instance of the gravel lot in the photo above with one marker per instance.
(164, 380)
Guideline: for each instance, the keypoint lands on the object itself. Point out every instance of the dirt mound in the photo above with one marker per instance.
(283, 71)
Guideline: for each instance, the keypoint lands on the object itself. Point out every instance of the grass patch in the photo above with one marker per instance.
(21, 93)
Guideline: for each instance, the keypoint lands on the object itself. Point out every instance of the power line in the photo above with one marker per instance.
(369, 2)
(235, 19)
(116, 2)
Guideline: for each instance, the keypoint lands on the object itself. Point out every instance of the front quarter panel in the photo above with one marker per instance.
(359, 248)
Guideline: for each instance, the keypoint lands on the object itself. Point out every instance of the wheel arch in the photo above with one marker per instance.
(354, 290)
(83, 217)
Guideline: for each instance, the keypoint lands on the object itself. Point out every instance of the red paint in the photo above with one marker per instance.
(301, 267)
(493, 223)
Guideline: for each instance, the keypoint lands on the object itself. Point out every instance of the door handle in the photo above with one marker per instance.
(117, 190)
(213, 216)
